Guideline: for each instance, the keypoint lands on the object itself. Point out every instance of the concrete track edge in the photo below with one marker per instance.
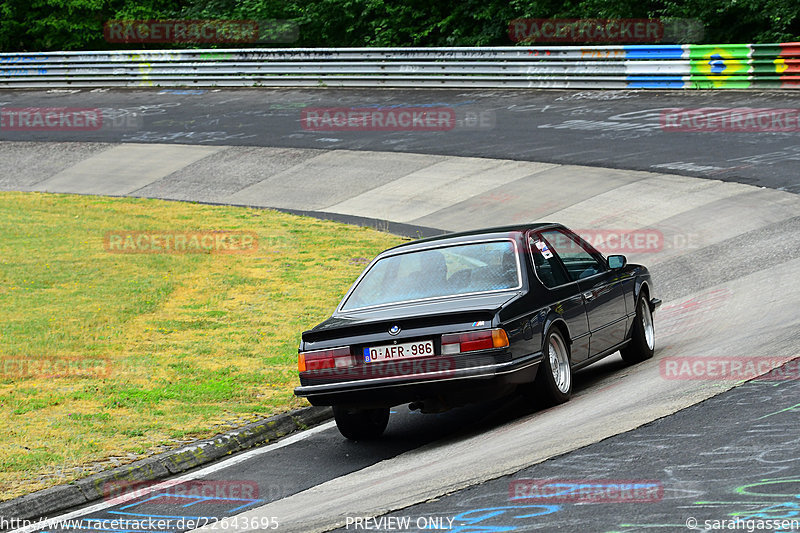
(53, 500)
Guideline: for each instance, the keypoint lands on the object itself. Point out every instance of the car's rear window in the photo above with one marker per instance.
(443, 271)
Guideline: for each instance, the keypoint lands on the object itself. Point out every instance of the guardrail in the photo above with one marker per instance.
(730, 66)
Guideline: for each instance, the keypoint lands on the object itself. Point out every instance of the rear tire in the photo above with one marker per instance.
(361, 424)
(553, 383)
(643, 335)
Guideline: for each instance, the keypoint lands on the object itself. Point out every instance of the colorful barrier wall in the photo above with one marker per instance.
(728, 66)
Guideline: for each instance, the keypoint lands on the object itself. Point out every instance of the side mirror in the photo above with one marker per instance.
(615, 262)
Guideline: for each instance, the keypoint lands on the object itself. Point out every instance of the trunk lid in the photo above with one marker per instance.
(418, 319)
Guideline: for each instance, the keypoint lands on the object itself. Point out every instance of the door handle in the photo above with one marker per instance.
(589, 295)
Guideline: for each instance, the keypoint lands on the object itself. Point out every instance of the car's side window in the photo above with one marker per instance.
(547, 266)
(579, 261)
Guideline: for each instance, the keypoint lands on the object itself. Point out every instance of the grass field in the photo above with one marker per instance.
(165, 348)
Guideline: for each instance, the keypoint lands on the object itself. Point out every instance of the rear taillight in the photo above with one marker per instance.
(322, 359)
(487, 339)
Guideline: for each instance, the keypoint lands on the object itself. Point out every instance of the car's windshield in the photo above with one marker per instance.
(432, 273)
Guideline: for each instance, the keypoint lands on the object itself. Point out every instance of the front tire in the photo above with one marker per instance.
(361, 424)
(643, 335)
(553, 383)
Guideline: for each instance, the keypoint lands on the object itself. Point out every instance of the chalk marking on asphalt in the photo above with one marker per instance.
(227, 463)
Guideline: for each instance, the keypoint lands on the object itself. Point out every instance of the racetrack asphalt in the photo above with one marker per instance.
(727, 269)
(609, 129)
(732, 457)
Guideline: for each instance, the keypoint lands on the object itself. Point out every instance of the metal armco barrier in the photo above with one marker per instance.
(729, 66)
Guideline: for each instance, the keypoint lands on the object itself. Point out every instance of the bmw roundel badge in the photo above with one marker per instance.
(394, 330)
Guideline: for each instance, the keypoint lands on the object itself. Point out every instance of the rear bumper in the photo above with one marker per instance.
(472, 383)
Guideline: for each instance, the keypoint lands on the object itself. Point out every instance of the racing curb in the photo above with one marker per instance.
(47, 502)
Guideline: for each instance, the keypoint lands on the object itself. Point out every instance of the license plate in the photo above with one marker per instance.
(398, 351)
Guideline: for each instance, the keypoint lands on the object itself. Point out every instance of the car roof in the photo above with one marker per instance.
(465, 236)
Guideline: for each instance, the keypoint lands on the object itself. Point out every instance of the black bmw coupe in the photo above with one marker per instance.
(471, 316)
